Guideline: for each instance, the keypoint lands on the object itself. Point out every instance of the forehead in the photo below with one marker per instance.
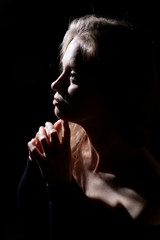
(72, 54)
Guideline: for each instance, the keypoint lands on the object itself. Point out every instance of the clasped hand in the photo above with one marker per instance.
(50, 149)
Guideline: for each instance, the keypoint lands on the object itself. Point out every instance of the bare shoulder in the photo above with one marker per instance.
(150, 177)
(151, 213)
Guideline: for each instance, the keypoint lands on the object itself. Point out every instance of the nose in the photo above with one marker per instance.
(59, 84)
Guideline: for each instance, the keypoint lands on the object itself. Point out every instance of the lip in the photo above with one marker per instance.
(57, 102)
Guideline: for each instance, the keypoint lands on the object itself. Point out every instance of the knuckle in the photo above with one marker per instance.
(48, 124)
(31, 143)
(42, 138)
(52, 131)
(32, 148)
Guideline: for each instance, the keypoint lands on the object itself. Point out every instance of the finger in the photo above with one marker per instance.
(43, 140)
(58, 127)
(34, 152)
(52, 135)
(38, 144)
(66, 133)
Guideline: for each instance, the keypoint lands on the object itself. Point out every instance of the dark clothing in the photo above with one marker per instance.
(63, 211)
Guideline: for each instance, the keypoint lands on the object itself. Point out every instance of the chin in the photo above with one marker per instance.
(60, 114)
(66, 115)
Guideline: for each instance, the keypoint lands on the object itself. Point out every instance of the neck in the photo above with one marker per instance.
(109, 148)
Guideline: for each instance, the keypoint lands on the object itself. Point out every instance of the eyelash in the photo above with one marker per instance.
(73, 77)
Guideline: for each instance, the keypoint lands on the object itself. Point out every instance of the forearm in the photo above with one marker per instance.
(31, 185)
(67, 206)
(32, 201)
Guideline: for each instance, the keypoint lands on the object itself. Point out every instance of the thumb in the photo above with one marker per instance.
(66, 134)
(58, 126)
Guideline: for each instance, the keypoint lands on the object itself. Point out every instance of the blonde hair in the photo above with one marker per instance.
(95, 33)
(89, 29)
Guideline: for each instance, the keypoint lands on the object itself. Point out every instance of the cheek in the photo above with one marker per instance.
(73, 90)
(78, 100)
(77, 95)
(83, 99)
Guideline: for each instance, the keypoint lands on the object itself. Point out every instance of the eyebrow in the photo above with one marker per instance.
(68, 66)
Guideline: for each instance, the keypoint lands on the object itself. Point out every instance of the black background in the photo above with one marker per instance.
(31, 32)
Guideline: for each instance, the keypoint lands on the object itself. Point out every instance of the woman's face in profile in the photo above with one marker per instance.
(76, 98)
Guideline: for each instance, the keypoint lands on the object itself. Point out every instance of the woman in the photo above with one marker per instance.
(94, 162)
